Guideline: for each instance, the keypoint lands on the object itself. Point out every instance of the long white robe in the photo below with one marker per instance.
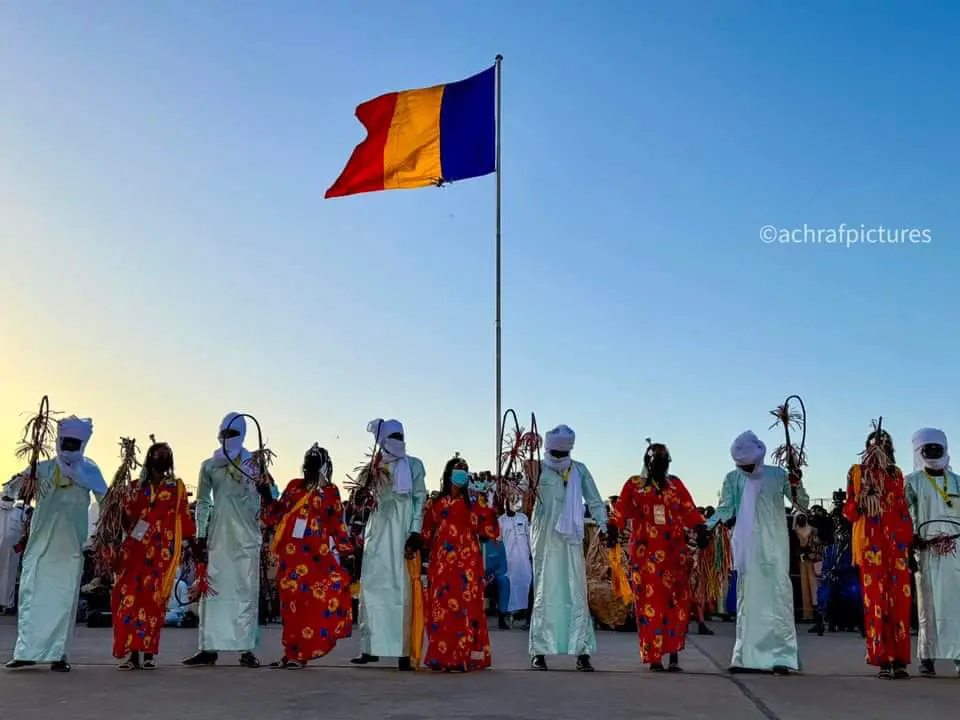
(53, 562)
(515, 535)
(11, 528)
(938, 580)
(766, 630)
(228, 516)
(560, 623)
(385, 592)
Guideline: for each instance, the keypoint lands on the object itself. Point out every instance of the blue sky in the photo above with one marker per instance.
(168, 257)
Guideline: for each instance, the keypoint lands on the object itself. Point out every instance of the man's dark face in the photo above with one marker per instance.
(396, 436)
(748, 468)
(69, 444)
(559, 454)
(932, 451)
(229, 433)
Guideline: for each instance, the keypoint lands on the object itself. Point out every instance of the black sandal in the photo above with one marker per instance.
(886, 673)
(128, 665)
(149, 663)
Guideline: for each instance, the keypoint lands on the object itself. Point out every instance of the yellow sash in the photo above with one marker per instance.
(283, 523)
(859, 537)
(621, 585)
(416, 616)
(171, 577)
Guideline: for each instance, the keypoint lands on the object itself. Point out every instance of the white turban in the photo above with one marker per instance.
(560, 438)
(76, 429)
(748, 449)
(234, 445)
(72, 463)
(930, 436)
(238, 423)
(394, 452)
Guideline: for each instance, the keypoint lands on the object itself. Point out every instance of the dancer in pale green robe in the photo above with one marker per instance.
(53, 559)
(228, 528)
(933, 493)
(560, 622)
(754, 495)
(392, 534)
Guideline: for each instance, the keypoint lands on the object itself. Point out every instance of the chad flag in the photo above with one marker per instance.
(430, 136)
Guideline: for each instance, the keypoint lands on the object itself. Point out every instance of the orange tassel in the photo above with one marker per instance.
(618, 576)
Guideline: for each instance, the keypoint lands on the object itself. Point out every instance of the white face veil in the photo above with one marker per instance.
(930, 436)
(78, 430)
(233, 445)
(561, 438)
(394, 452)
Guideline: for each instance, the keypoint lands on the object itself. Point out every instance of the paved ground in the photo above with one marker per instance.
(835, 684)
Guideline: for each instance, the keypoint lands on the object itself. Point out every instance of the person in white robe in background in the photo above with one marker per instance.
(754, 495)
(515, 536)
(11, 529)
(933, 495)
(53, 558)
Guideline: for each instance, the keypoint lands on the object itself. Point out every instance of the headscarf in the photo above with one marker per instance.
(72, 428)
(747, 449)
(394, 453)
(320, 456)
(72, 463)
(929, 436)
(234, 445)
(570, 522)
(560, 438)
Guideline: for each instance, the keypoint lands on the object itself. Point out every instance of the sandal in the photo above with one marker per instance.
(150, 664)
(128, 665)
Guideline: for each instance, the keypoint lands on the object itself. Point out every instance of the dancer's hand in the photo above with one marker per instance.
(613, 536)
(413, 545)
(703, 537)
(912, 563)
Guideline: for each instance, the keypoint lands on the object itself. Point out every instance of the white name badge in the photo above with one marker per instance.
(140, 530)
(660, 514)
(299, 528)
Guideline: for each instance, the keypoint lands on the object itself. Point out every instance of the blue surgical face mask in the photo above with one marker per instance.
(460, 478)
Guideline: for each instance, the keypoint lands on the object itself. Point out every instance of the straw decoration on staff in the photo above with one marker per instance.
(370, 476)
(38, 442)
(790, 456)
(518, 466)
(108, 536)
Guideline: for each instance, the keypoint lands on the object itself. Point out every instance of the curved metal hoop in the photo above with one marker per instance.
(261, 458)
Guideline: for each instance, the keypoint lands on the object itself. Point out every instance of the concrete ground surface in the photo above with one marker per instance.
(835, 683)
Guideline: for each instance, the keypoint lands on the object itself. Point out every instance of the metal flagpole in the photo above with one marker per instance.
(499, 61)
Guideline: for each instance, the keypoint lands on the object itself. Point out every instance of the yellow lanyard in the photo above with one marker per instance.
(941, 491)
(56, 480)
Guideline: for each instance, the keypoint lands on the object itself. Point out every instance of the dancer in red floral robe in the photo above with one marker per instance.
(157, 521)
(315, 601)
(662, 511)
(882, 536)
(454, 527)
